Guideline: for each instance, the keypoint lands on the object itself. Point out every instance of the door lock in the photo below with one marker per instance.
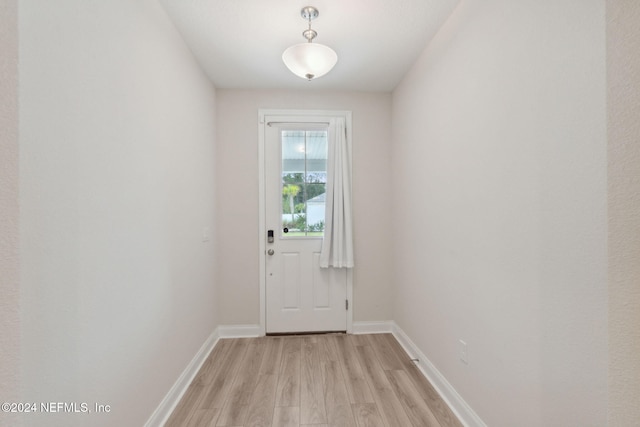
(269, 236)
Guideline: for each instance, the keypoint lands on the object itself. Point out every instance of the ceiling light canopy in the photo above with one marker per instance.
(309, 60)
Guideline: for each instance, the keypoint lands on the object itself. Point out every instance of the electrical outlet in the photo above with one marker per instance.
(462, 351)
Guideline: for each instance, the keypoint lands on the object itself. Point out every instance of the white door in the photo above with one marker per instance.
(300, 296)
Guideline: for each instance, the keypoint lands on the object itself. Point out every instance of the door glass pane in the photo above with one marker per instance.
(304, 179)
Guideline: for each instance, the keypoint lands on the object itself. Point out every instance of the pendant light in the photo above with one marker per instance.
(309, 60)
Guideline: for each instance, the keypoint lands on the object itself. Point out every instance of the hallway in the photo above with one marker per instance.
(495, 203)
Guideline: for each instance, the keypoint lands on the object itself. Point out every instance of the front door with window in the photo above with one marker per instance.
(300, 296)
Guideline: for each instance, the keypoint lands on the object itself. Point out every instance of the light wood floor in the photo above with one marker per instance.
(316, 380)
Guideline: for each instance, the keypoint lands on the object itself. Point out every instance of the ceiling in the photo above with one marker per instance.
(239, 43)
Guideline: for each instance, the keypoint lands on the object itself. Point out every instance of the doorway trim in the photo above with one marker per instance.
(287, 115)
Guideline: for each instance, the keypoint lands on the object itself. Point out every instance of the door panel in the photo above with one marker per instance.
(291, 279)
(321, 284)
(300, 296)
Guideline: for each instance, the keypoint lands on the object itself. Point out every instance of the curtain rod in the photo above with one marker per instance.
(298, 123)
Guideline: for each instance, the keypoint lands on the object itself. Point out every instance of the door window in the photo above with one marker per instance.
(304, 179)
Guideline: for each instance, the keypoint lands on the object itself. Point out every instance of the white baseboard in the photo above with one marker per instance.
(170, 401)
(239, 331)
(457, 404)
(375, 327)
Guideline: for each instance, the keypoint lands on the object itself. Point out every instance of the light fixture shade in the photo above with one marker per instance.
(309, 60)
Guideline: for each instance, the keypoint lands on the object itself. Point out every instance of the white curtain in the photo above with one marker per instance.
(337, 245)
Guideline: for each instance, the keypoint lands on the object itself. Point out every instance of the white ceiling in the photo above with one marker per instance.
(239, 43)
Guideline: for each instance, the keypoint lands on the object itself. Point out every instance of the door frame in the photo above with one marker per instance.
(288, 115)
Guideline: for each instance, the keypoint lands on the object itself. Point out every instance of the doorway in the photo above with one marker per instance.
(296, 294)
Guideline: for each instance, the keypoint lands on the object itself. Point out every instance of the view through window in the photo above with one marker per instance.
(304, 181)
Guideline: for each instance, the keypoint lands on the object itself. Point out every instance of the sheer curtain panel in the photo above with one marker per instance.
(337, 246)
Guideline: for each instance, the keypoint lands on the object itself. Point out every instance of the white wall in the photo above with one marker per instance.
(9, 209)
(499, 165)
(237, 209)
(116, 185)
(623, 71)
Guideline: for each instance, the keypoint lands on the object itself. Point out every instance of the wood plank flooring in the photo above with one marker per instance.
(315, 380)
